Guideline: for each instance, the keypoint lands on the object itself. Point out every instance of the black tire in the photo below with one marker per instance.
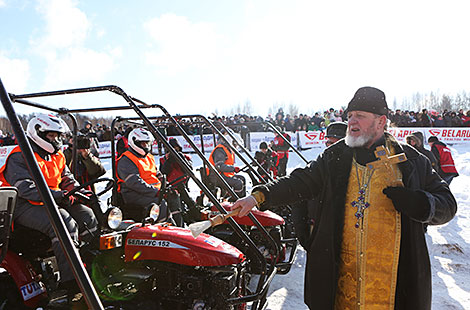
(10, 298)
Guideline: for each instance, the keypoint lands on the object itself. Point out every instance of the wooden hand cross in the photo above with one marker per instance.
(386, 161)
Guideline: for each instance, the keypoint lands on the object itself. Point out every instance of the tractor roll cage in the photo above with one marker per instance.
(266, 275)
(261, 286)
(213, 125)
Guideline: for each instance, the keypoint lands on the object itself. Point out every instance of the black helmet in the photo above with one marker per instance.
(174, 143)
(336, 130)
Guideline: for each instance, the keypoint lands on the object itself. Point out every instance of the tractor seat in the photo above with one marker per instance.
(29, 242)
(129, 211)
(213, 187)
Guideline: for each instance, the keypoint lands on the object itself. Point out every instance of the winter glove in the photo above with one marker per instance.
(85, 197)
(236, 169)
(410, 202)
(87, 192)
(66, 201)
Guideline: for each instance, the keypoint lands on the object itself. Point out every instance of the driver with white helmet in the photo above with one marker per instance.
(138, 177)
(44, 133)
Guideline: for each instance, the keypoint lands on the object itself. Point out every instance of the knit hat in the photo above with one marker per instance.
(336, 130)
(174, 143)
(369, 99)
(433, 139)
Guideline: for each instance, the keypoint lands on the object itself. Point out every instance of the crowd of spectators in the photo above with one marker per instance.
(319, 121)
(243, 123)
(7, 139)
(430, 118)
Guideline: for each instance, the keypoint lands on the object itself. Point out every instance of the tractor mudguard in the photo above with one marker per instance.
(266, 218)
(32, 291)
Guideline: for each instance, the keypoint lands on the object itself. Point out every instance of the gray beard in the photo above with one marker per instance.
(360, 141)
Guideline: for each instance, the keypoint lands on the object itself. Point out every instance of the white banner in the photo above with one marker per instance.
(208, 143)
(401, 133)
(454, 135)
(104, 149)
(257, 137)
(310, 139)
(4, 151)
(449, 135)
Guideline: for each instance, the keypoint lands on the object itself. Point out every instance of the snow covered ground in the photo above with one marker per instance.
(449, 247)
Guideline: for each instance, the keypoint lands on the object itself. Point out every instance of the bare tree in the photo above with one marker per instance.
(446, 103)
(247, 108)
(293, 109)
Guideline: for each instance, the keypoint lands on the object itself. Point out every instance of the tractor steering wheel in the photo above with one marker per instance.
(108, 187)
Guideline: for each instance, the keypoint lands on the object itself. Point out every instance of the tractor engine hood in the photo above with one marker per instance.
(177, 245)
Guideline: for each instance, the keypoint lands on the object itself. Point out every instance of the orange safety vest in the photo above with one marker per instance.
(147, 169)
(51, 170)
(230, 161)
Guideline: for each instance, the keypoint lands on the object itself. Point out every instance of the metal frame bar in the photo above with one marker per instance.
(90, 295)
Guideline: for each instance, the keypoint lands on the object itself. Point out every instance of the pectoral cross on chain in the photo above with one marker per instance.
(384, 161)
(387, 161)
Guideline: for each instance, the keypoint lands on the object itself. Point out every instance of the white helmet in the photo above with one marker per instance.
(40, 125)
(140, 135)
(235, 142)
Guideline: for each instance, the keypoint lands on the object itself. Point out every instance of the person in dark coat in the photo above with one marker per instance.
(416, 140)
(268, 159)
(368, 248)
(335, 132)
(88, 166)
(178, 178)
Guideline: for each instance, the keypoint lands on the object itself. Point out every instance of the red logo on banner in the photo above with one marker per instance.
(434, 132)
(311, 136)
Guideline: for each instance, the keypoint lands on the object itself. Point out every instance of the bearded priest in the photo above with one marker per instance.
(367, 249)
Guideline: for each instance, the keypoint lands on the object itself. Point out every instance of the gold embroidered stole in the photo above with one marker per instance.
(369, 253)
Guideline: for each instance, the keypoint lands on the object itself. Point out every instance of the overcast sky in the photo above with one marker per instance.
(198, 56)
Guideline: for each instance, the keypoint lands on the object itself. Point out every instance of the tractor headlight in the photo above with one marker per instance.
(154, 212)
(114, 217)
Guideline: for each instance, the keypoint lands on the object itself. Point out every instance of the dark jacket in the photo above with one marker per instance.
(326, 180)
(170, 167)
(430, 156)
(89, 168)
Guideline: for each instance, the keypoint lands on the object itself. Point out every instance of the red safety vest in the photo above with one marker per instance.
(230, 161)
(176, 170)
(147, 169)
(51, 170)
(446, 160)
